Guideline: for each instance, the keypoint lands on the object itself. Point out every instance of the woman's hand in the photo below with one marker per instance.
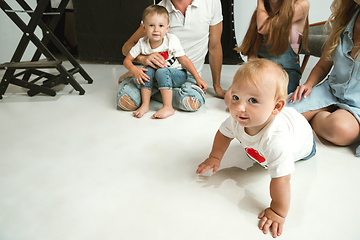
(301, 91)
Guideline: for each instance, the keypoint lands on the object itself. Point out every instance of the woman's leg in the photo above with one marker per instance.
(339, 127)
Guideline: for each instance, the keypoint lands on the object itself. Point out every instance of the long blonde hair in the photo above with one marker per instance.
(341, 13)
(279, 29)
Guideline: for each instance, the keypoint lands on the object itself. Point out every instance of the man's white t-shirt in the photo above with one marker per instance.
(286, 139)
(170, 49)
(193, 28)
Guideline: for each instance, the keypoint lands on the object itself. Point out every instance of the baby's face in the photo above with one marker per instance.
(156, 26)
(252, 106)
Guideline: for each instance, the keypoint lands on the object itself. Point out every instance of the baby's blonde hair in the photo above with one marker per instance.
(254, 71)
(155, 9)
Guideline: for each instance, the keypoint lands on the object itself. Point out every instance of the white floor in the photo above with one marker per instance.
(74, 167)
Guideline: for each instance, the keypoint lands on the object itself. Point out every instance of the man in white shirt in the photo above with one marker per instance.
(198, 25)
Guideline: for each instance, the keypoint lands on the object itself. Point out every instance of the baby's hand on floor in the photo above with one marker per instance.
(271, 220)
(210, 163)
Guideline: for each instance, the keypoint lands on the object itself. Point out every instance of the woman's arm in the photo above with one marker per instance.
(301, 10)
(318, 73)
(261, 16)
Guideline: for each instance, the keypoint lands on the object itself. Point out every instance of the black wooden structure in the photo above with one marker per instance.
(44, 81)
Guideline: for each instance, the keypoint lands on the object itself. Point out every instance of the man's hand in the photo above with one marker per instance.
(202, 84)
(210, 163)
(271, 220)
(154, 60)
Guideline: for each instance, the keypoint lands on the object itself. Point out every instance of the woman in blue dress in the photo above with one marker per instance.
(332, 106)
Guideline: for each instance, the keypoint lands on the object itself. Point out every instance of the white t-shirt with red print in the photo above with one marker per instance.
(170, 49)
(285, 140)
(193, 28)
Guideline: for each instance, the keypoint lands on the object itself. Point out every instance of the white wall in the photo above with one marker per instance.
(243, 10)
(10, 34)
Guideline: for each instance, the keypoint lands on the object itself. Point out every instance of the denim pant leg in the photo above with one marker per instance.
(131, 88)
(189, 91)
(128, 87)
(149, 85)
(168, 78)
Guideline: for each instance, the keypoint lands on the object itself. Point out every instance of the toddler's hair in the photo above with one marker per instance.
(255, 70)
(155, 9)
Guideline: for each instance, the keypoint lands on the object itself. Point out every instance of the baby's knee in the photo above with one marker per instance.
(161, 72)
(126, 103)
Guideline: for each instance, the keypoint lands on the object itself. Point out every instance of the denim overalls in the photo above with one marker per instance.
(289, 61)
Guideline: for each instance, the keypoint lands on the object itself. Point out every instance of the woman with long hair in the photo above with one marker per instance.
(333, 107)
(276, 32)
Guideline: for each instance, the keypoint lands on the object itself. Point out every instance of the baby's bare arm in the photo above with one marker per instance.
(274, 217)
(220, 145)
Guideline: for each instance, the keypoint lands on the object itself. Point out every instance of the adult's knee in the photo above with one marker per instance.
(190, 104)
(194, 100)
(338, 132)
(126, 103)
(128, 95)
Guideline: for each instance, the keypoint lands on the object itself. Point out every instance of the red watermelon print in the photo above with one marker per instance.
(255, 155)
(165, 55)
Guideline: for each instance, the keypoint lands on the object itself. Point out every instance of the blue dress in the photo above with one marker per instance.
(342, 87)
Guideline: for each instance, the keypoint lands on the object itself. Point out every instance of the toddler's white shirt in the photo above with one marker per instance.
(171, 45)
(193, 28)
(286, 139)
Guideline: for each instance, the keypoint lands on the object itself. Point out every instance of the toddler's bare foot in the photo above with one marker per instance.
(164, 112)
(141, 111)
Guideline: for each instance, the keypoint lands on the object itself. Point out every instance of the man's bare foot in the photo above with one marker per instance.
(164, 112)
(219, 92)
(141, 111)
(127, 74)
